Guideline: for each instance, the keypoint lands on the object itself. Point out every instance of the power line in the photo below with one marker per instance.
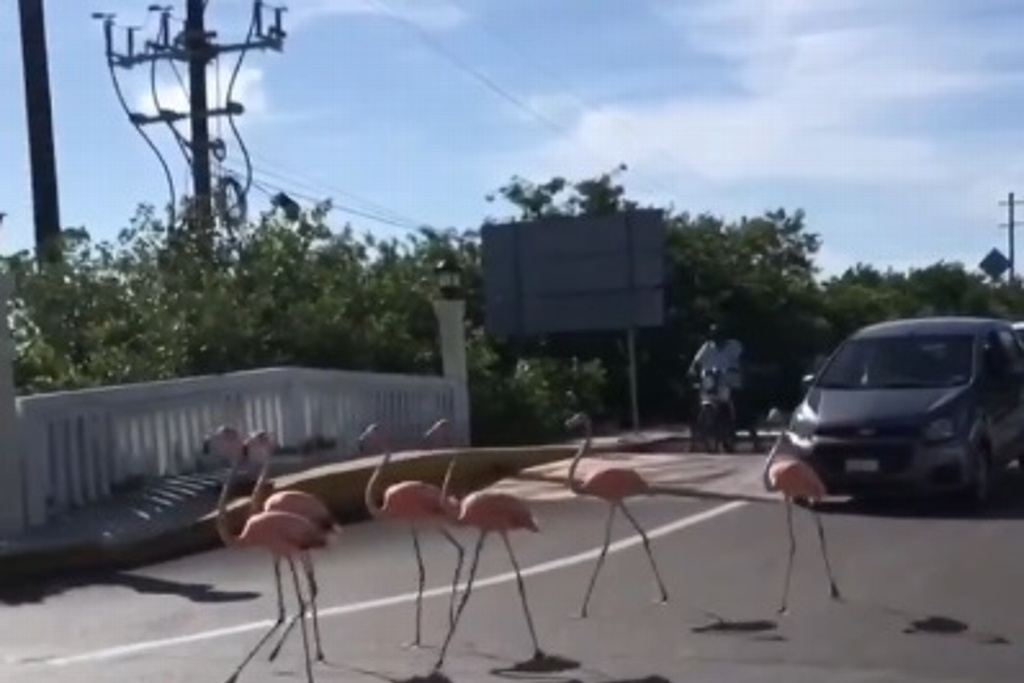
(491, 84)
(265, 182)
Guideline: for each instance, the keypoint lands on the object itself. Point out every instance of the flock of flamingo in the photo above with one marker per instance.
(290, 524)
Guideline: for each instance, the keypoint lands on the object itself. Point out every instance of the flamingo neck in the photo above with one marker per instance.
(260, 491)
(447, 483)
(575, 485)
(227, 536)
(373, 484)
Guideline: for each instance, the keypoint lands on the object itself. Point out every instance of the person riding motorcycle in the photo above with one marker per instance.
(722, 355)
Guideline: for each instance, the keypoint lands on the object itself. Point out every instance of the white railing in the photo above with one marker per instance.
(80, 446)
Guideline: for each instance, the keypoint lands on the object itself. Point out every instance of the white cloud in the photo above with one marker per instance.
(825, 92)
(433, 15)
(250, 91)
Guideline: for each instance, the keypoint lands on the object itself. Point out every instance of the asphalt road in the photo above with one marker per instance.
(192, 620)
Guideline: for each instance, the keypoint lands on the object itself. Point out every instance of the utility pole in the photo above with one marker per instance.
(197, 47)
(1011, 205)
(39, 114)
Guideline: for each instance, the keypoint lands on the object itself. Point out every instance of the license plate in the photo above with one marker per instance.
(861, 465)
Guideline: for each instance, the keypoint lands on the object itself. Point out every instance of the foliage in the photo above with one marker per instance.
(159, 303)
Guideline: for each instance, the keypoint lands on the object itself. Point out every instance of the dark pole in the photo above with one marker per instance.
(38, 111)
(199, 56)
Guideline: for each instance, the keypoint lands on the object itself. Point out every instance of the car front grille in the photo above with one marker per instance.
(893, 457)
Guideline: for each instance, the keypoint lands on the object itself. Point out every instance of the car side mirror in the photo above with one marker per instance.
(805, 383)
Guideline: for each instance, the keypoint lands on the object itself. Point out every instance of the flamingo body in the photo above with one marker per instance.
(615, 484)
(501, 512)
(796, 479)
(417, 501)
(282, 533)
(304, 505)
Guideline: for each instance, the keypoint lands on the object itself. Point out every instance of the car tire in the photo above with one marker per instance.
(979, 489)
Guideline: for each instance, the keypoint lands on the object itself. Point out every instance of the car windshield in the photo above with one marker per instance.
(906, 362)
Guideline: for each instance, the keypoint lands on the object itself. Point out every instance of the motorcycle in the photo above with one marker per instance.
(713, 430)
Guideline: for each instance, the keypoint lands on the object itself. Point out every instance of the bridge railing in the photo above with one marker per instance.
(81, 446)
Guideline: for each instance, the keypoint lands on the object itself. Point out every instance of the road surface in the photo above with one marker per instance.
(191, 620)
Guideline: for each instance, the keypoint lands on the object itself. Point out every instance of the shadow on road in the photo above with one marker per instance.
(756, 628)
(201, 593)
(543, 663)
(933, 625)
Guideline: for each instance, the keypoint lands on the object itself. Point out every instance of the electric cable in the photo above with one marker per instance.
(232, 124)
(183, 144)
(168, 176)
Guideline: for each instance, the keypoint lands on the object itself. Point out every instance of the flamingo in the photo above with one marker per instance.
(491, 512)
(284, 535)
(612, 485)
(795, 479)
(262, 444)
(419, 504)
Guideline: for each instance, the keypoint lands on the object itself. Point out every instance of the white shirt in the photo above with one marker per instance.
(725, 358)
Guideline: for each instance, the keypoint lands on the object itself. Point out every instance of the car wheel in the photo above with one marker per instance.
(979, 490)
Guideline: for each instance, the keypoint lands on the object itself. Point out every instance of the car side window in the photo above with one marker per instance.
(1012, 349)
(995, 356)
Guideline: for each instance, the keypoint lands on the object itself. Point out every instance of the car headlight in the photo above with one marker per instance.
(942, 429)
(802, 427)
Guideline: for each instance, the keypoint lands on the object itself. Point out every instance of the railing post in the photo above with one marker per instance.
(451, 317)
(12, 476)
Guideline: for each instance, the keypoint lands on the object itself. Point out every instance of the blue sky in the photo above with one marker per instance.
(894, 124)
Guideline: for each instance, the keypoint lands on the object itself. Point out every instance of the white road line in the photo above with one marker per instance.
(542, 568)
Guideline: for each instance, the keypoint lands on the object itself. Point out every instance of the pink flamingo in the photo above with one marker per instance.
(262, 445)
(613, 485)
(419, 504)
(795, 479)
(284, 535)
(491, 512)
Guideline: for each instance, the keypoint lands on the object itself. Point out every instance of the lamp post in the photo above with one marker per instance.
(450, 309)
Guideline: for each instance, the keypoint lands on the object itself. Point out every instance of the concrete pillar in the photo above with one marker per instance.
(12, 480)
(451, 320)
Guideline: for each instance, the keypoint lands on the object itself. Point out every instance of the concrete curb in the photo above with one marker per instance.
(340, 486)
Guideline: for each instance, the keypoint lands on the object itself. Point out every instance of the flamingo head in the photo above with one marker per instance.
(578, 421)
(226, 441)
(261, 445)
(369, 437)
(441, 427)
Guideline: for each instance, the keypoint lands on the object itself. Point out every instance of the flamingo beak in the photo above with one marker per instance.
(575, 421)
(367, 434)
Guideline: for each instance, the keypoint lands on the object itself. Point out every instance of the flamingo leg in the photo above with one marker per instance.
(521, 587)
(458, 572)
(473, 566)
(823, 545)
(259, 644)
(647, 549)
(784, 607)
(421, 577)
(288, 628)
(273, 628)
(302, 620)
(280, 591)
(314, 591)
(600, 561)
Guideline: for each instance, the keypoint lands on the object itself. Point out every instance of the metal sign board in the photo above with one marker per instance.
(995, 264)
(567, 274)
